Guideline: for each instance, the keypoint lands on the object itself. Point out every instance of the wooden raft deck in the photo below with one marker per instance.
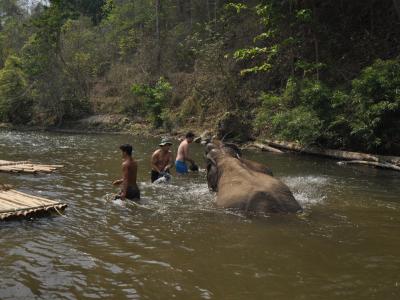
(14, 204)
(26, 167)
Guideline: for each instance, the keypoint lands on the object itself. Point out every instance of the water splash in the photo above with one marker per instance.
(308, 190)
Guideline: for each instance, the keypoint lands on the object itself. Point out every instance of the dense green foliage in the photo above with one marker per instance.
(15, 104)
(317, 72)
(155, 99)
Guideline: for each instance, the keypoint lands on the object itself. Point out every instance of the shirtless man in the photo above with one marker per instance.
(161, 160)
(129, 188)
(183, 154)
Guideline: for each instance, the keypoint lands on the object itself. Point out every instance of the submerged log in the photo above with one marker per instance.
(263, 147)
(348, 155)
(386, 161)
(370, 163)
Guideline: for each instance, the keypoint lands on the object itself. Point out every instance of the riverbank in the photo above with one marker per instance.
(112, 124)
(220, 126)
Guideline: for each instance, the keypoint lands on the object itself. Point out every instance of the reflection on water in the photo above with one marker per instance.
(177, 245)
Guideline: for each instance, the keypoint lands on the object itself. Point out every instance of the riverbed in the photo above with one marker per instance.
(177, 245)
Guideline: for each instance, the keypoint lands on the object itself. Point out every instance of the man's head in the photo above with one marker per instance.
(165, 144)
(126, 150)
(190, 137)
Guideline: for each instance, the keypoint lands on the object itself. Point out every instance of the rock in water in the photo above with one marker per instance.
(234, 126)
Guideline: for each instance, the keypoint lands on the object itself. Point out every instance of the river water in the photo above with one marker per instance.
(179, 246)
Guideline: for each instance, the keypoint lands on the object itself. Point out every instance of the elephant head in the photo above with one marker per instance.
(215, 149)
(213, 175)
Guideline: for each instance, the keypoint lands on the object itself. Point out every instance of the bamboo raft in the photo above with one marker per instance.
(14, 205)
(26, 167)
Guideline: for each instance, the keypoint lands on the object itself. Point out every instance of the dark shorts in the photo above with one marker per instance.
(155, 175)
(132, 194)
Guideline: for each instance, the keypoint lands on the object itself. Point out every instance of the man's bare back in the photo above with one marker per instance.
(183, 155)
(183, 151)
(129, 171)
(129, 188)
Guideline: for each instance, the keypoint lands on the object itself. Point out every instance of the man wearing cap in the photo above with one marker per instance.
(129, 188)
(161, 160)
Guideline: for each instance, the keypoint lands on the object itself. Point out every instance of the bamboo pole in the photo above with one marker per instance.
(28, 168)
(17, 204)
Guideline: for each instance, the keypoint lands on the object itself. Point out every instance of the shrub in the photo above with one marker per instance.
(299, 124)
(376, 102)
(15, 104)
(155, 99)
(316, 96)
(291, 115)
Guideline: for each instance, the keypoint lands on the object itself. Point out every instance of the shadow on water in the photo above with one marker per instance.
(176, 244)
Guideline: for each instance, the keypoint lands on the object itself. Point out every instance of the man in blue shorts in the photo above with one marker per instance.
(183, 155)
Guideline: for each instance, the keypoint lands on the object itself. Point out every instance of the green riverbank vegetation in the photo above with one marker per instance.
(317, 72)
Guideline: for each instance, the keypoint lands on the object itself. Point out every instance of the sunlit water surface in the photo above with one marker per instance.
(177, 245)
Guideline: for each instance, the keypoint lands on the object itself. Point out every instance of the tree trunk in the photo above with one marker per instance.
(370, 163)
(316, 43)
(208, 11)
(191, 13)
(157, 8)
(323, 152)
(263, 147)
(396, 4)
(338, 154)
(215, 11)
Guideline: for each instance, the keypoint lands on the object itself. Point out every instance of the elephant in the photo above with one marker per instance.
(244, 184)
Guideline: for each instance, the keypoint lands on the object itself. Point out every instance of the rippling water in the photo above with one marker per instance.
(177, 245)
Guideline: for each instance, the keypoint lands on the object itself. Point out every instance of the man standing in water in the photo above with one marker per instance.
(183, 155)
(129, 188)
(161, 161)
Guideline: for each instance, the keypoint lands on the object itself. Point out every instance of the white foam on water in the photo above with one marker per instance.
(119, 202)
(308, 190)
(180, 194)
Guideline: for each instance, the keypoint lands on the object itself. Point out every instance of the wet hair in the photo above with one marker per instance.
(190, 135)
(126, 148)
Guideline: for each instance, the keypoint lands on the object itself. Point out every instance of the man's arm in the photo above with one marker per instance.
(117, 182)
(169, 163)
(186, 152)
(134, 172)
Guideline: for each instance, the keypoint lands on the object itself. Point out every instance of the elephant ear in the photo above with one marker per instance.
(209, 147)
(212, 174)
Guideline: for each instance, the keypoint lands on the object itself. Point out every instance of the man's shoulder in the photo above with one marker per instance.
(129, 163)
(157, 152)
(184, 142)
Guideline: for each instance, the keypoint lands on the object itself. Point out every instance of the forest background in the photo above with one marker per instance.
(319, 72)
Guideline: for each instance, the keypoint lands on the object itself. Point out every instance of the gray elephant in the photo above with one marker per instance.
(244, 184)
